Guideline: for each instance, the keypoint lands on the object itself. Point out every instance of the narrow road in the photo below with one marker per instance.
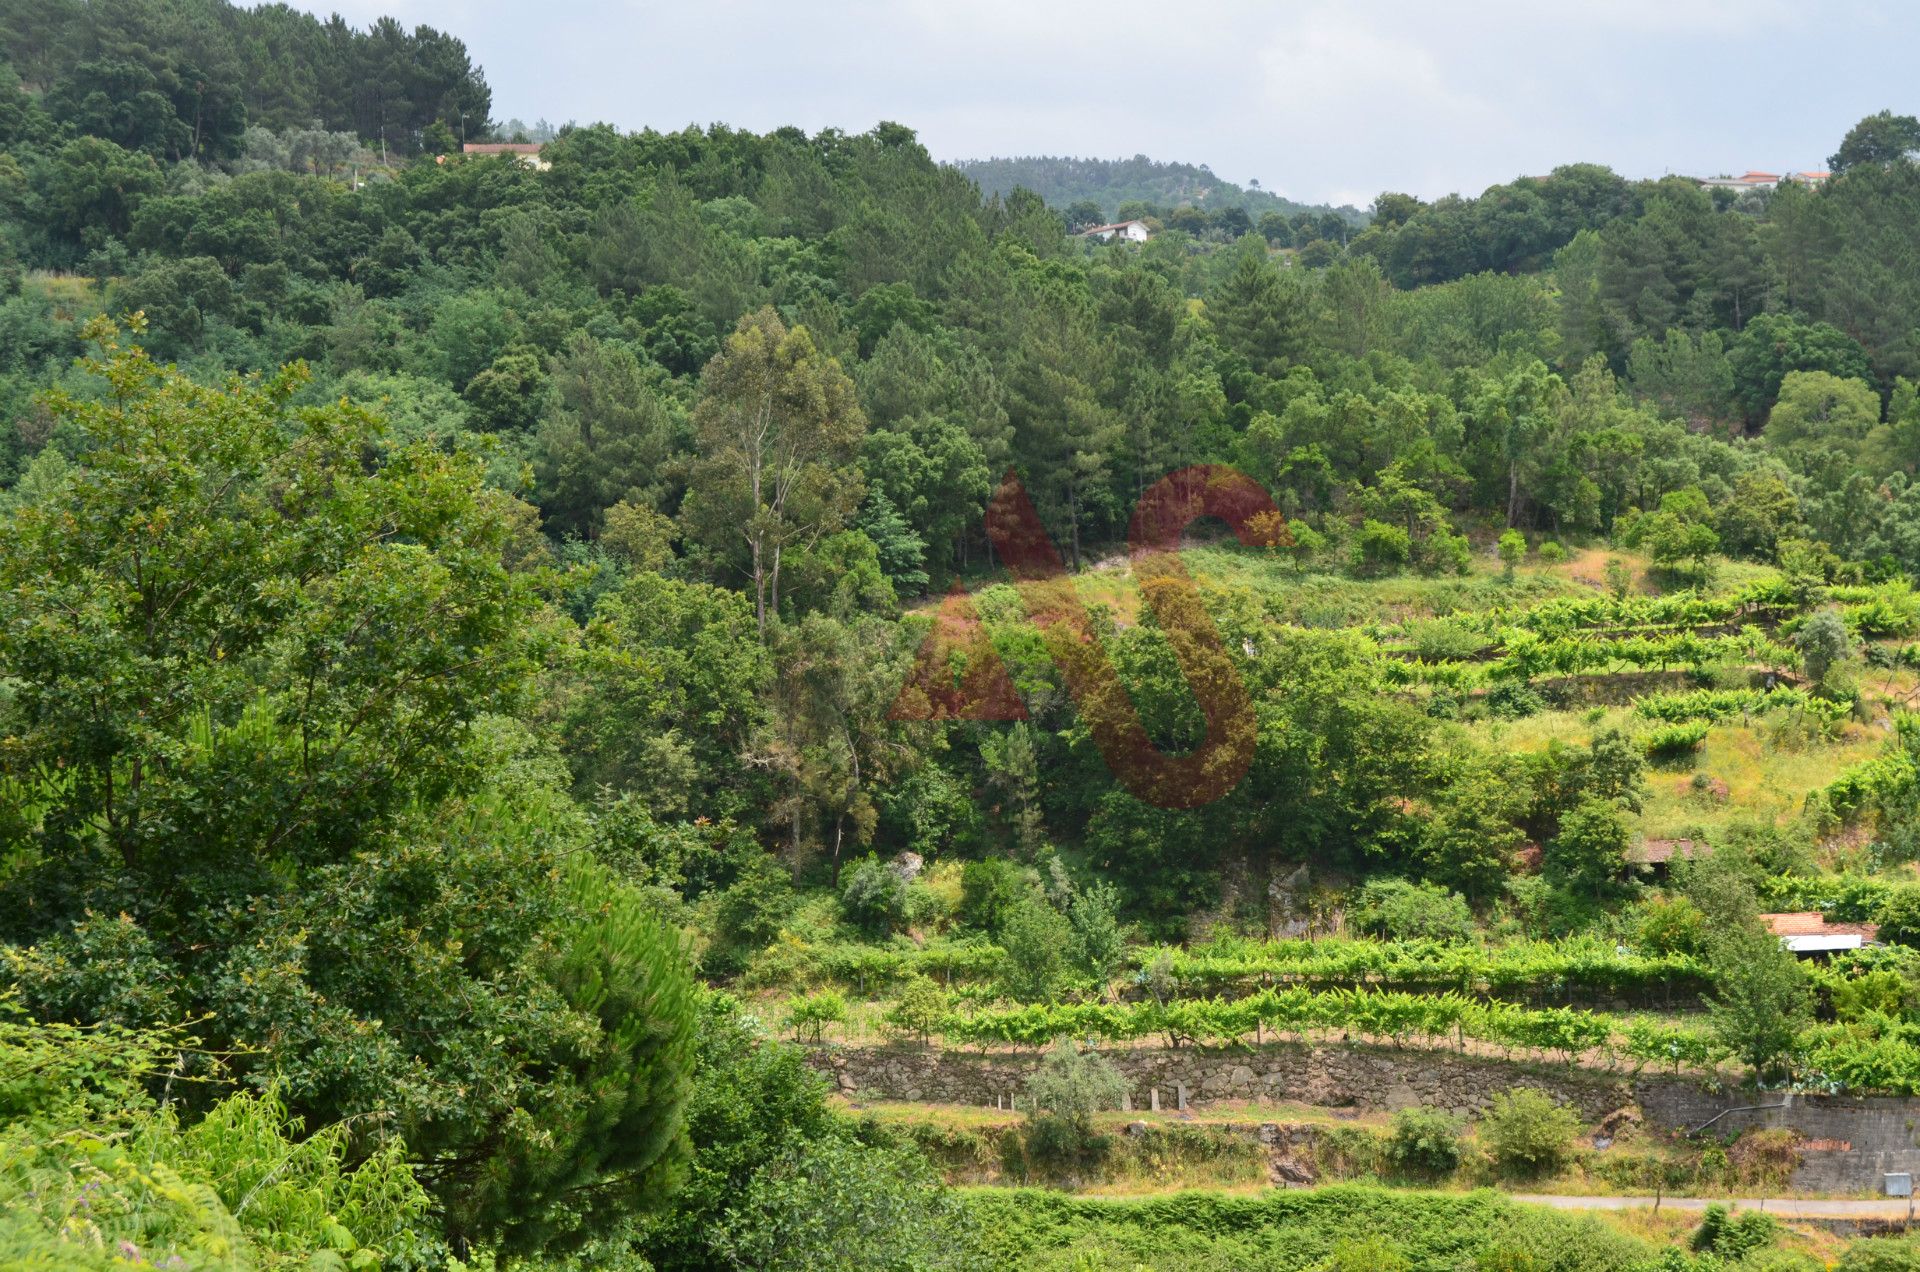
(1783, 1207)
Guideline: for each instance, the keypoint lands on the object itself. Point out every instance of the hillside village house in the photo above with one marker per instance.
(1763, 180)
(1810, 934)
(527, 152)
(1130, 231)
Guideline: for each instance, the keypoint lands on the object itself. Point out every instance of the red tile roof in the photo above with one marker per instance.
(501, 148)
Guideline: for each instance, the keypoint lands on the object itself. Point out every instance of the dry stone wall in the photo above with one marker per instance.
(1847, 1143)
(1368, 1078)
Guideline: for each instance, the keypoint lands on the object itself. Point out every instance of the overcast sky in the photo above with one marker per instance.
(1319, 101)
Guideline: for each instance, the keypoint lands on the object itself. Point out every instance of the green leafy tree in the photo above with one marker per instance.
(919, 1010)
(777, 422)
(1881, 138)
(1761, 999)
(1099, 944)
(288, 657)
(775, 1175)
(603, 439)
(1825, 645)
(1590, 852)
(1035, 937)
(1774, 346)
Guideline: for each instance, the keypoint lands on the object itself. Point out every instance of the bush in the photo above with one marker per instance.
(1885, 1254)
(1397, 910)
(1527, 1132)
(1899, 915)
(1424, 1141)
(1673, 743)
(1733, 1237)
(1514, 701)
(1366, 1254)
(873, 895)
(1350, 1152)
(1671, 925)
(1445, 638)
(1552, 553)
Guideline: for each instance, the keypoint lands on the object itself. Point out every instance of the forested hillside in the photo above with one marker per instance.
(1110, 184)
(186, 80)
(485, 647)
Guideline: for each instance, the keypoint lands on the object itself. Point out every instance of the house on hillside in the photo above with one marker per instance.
(1127, 231)
(1810, 934)
(527, 152)
(1747, 181)
(1757, 180)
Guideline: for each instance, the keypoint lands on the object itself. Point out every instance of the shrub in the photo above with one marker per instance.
(1734, 1237)
(1401, 911)
(1552, 553)
(1527, 1132)
(1424, 1141)
(1366, 1254)
(1875, 991)
(1350, 1152)
(1885, 1254)
(1513, 550)
(1514, 701)
(1379, 548)
(1673, 743)
(1899, 915)
(1444, 638)
(1671, 925)
(873, 896)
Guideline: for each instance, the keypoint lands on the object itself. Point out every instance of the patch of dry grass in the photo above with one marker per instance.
(1766, 773)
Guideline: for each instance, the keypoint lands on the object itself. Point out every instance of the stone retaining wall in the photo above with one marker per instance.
(1360, 1077)
(1848, 1142)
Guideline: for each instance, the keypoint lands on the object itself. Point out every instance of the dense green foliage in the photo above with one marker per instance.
(456, 602)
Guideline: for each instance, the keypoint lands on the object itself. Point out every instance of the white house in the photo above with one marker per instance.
(1763, 180)
(527, 152)
(1130, 231)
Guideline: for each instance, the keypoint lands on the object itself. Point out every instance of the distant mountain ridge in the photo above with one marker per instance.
(1062, 180)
